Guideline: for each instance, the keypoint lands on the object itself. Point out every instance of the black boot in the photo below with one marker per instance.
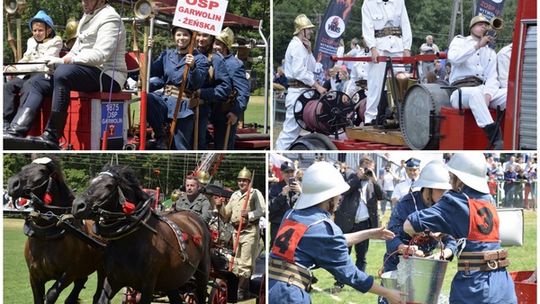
(54, 130)
(161, 137)
(493, 133)
(21, 123)
(243, 289)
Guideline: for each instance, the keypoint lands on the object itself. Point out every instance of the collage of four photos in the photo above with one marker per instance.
(266, 151)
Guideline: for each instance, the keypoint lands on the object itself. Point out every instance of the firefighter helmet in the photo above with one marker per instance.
(244, 174)
(302, 22)
(321, 181)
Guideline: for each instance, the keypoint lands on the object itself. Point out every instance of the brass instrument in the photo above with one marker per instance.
(496, 24)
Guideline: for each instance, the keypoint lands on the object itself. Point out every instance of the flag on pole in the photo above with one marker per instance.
(331, 29)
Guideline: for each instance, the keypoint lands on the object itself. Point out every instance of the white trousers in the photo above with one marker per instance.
(291, 130)
(375, 83)
(473, 98)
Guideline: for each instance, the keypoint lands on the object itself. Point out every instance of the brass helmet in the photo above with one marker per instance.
(244, 174)
(203, 177)
(175, 195)
(302, 22)
(71, 29)
(227, 37)
(478, 19)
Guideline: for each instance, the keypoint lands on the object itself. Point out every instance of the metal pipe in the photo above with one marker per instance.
(266, 72)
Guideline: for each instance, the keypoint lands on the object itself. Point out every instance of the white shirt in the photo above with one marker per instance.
(401, 189)
(339, 53)
(362, 213)
(299, 63)
(376, 15)
(388, 181)
(503, 65)
(467, 61)
(429, 49)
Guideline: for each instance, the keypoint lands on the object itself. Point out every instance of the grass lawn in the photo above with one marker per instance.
(16, 282)
(522, 258)
(254, 112)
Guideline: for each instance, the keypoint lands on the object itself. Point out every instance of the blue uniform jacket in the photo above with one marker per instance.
(451, 215)
(169, 66)
(403, 208)
(323, 245)
(219, 87)
(237, 73)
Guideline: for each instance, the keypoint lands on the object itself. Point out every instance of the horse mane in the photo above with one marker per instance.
(127, 179)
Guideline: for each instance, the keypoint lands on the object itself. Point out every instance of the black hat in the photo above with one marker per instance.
(287, 166)
(216, 190)
(412, 163)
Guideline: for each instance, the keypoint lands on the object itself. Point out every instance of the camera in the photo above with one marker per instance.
(291, 181)
(368, 172)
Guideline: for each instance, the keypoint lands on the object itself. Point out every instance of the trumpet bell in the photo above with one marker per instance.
(497, 23)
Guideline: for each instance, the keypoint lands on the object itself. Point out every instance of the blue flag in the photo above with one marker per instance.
(330, 31)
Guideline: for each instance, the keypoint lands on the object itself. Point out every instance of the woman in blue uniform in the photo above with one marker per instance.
(169, 67)
(467, 213)
(308, 238)
(433, 182)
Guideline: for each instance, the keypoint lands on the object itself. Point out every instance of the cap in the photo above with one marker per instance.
(286, 167)
(478, 19)
(213, 189)
(302, 22)
(412, 163)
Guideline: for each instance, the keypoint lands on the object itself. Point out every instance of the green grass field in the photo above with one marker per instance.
(522, 258)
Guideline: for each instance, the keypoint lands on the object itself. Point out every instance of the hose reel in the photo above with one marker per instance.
(327, 114)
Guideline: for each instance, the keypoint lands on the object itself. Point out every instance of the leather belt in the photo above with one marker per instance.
(471, 81)
(483, 260)
(244, 226)
(172, 90)
(292, 274)
(293, 83)
(388, 31)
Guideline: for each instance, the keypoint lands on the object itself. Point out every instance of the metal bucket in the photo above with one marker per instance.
(389, 279)
(421, 279)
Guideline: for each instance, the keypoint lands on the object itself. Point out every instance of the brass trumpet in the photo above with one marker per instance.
(496, 24)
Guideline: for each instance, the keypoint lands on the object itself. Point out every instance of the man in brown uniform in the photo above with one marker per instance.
(246, 249)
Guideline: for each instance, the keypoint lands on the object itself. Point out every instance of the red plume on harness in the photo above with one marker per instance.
(128, 207)
(47, 198)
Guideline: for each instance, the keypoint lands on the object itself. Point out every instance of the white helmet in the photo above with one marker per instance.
(434, 176)
(470, 168)
(321, 181)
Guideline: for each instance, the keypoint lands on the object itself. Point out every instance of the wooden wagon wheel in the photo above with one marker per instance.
(218, 294)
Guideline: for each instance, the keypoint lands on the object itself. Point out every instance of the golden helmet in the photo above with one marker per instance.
(244, 174)
(203, 177)
(175, 195)
(227, 37)
(302, 22)
(71, 29)
(477, 19)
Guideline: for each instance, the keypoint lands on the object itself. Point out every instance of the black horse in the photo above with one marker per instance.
(146, 251)
(52, 252)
